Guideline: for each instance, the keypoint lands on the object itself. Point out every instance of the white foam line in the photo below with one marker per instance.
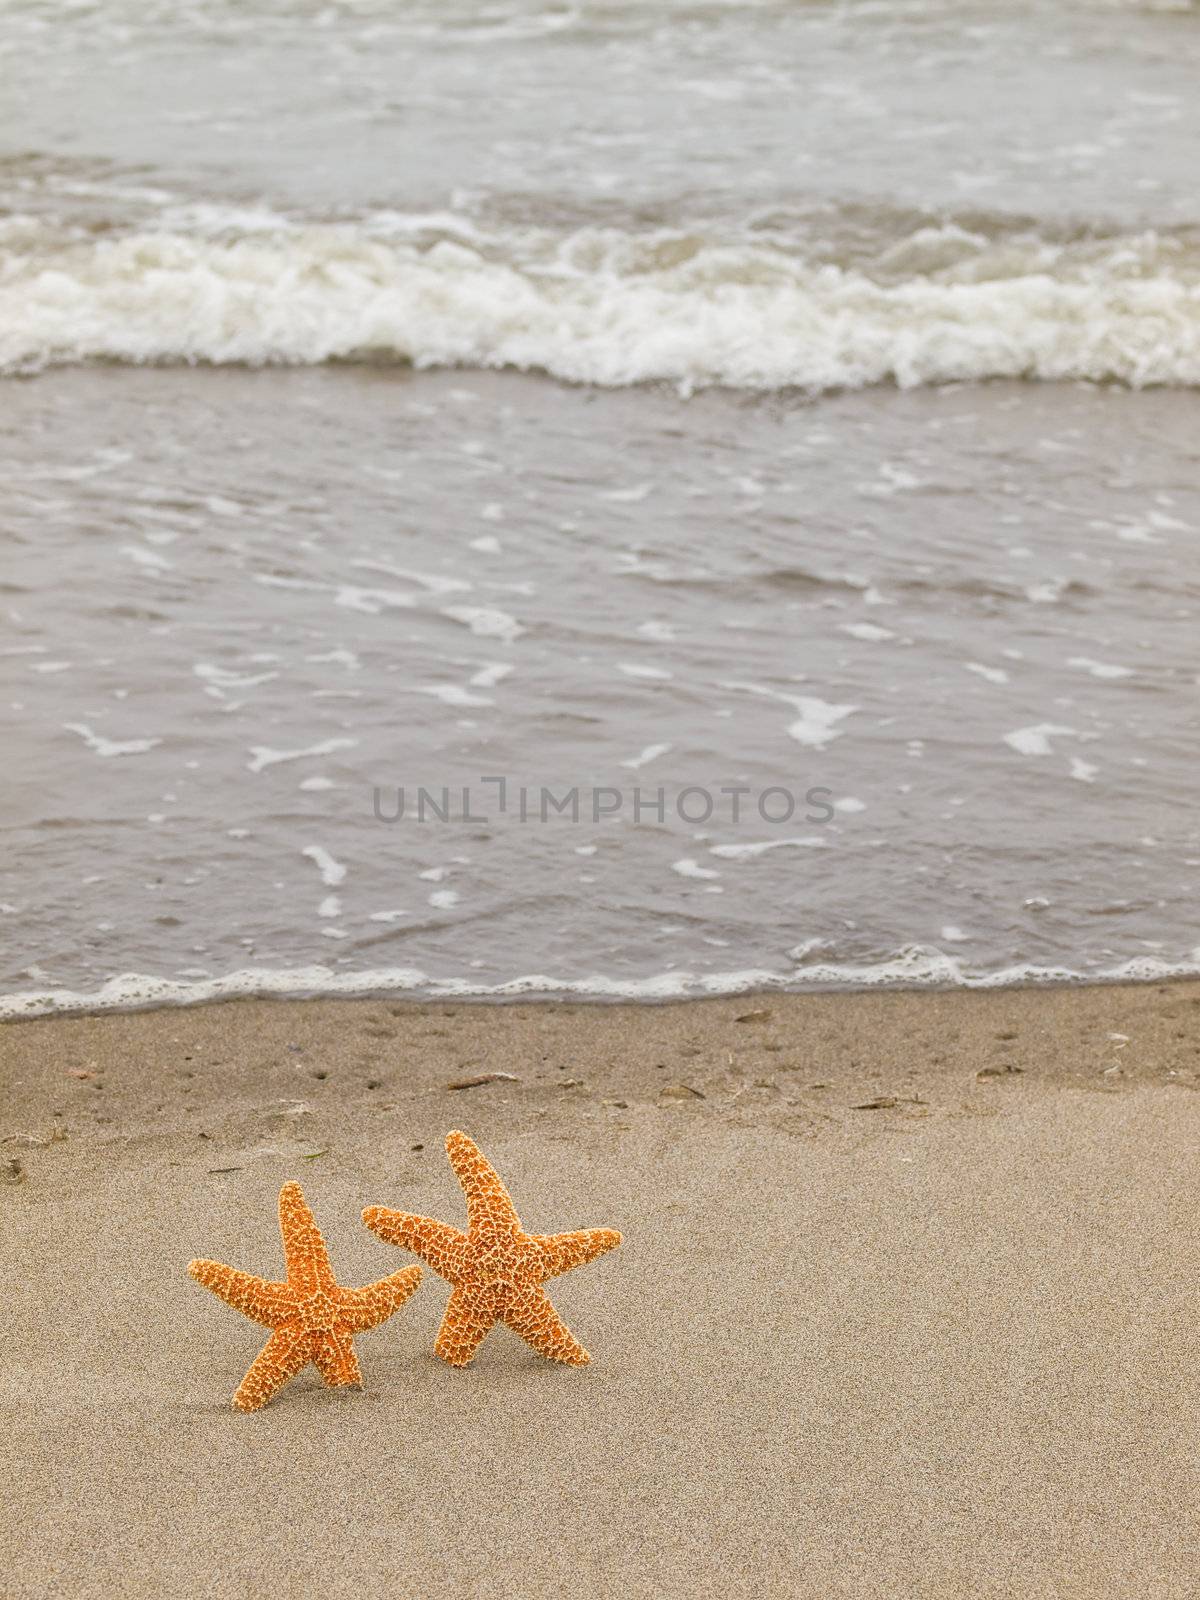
(146, 558)
(734, 852)
(992, 674)
(915, 967)
(451, 694)
(434, 582)
(490, 674)
(341, 658)
(486, 622)
(815, 726)
(110, 747)
(332, 872)
(356, 598)
(1035, 740)
(371, 601)
(1099, 669)
(688, 868)
(635, 669)
(218, 679)
(263, 756)
(650, 753)
(867, 631)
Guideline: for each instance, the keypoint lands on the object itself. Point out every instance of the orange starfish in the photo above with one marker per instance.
(496, 1270)
(313, 1317)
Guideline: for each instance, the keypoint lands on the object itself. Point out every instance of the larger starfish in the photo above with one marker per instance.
(313, 1317)
(496, 1270)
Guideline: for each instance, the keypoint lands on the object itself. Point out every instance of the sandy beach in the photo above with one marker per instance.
(906, 1304)
(620, 579)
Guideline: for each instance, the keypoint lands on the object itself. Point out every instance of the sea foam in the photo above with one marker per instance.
(915, 966)
(607, 307)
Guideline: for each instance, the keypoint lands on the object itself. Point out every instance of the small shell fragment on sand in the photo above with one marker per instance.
(484, 1077)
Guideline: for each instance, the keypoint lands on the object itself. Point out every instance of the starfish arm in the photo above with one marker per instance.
(268, 1303)
(463, 1328)
(281, 1358)
(335, 1360)
(562, 1251)
(374, 1303)
(535, 1319)
(303, 1245)
(488, 1202)
(437, 1243)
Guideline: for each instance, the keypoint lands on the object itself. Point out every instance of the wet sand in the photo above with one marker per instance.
(906, 1307)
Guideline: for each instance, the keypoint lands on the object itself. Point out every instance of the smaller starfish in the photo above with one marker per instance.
(496, 1270)
(313, 1318)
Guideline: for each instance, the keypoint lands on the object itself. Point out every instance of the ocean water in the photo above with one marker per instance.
(644, 498)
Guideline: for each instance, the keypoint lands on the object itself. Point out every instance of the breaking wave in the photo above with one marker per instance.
(604, 306)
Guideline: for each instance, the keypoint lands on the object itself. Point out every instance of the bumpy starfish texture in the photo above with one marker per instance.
(313, 1317)
(495, 1269)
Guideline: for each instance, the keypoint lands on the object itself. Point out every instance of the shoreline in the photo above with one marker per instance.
(905, 1303)
(139, 993)
(765, 1023)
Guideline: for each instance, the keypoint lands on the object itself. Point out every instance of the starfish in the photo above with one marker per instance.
(495, 1269)
(313, 1318)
